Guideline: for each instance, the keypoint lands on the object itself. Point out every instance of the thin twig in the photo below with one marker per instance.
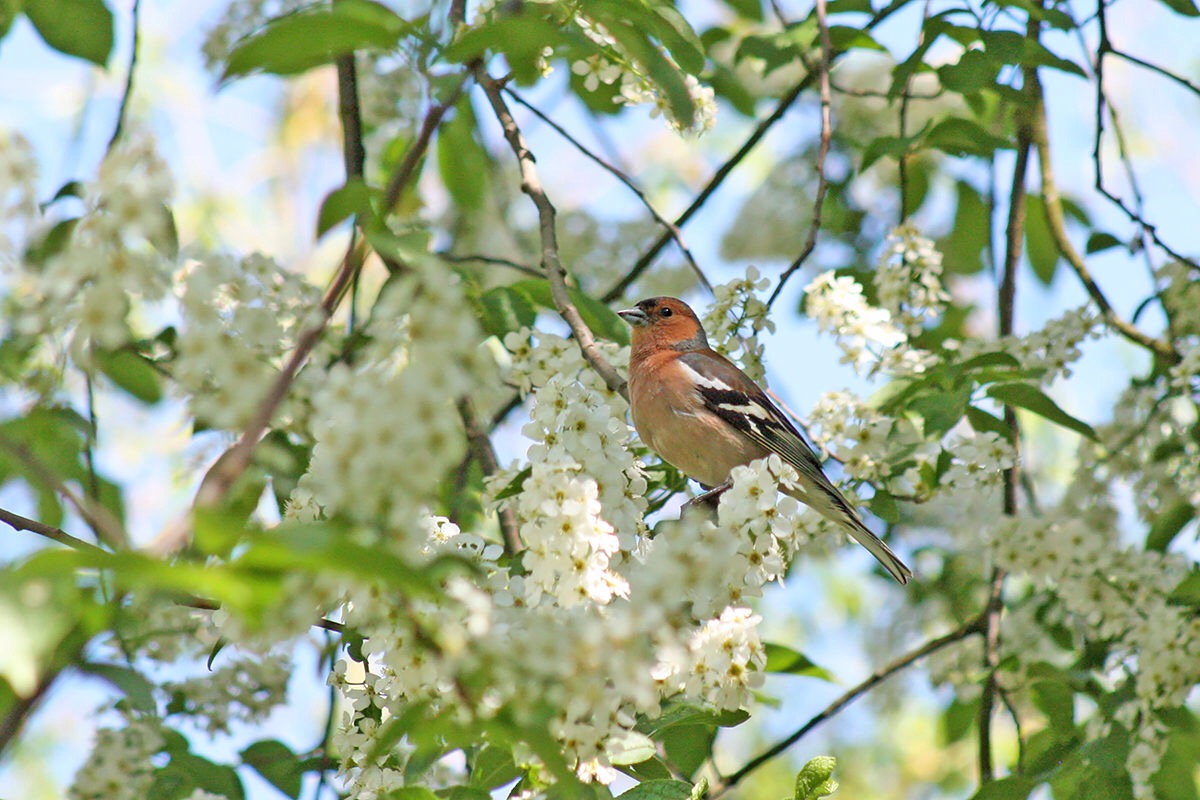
(20, 523)
(814, 225)
(555, 274)
(1166, 73)
(485, 454)
(1103, 48)
(493, 260)
(354, 154)
(107, 527)
(1058, 231)
(127, 92)
(671, 228)
(970, 628)
(416, 151)
(718, 177)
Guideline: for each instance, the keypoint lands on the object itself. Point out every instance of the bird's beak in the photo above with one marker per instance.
(634, 316)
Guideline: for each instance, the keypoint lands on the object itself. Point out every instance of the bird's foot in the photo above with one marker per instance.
(709, 498)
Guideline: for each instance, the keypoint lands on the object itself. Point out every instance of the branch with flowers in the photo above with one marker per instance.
(416, 493)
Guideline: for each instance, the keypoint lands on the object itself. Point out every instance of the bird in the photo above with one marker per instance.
(704, 416)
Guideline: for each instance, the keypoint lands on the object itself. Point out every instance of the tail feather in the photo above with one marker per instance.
(829, 503)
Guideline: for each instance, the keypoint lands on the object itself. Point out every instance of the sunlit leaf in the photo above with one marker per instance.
(81, 28)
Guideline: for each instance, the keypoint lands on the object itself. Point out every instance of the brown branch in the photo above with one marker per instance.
(404, 172)
(485, 454)
(670, 227)
(127, 92)
(20, 523)
(454, 258)
(1058, 231)
(969, 628)
(1105, 47)
(354, 155)
(555, 274)
(1166, 73)
(718, 177)
(107, 527)
(814, 225)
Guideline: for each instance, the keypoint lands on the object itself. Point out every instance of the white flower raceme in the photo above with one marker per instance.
(113, 255)
(240, 318)
(18, 194)
(736, 318)
(245, 690)
(386, 427)
(869, 338)
(908, 279)
(1052, 348)
(119, 767)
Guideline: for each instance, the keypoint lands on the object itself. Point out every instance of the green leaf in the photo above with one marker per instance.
(1100, 241)
(80, 28)
(892, 146)
(941, 410)
(505, 310)
(1167, 525)
(883, 505)
(662, 72)
(353, 198)
(1039, 242)
(747, 9)
(963, 137)
(514, 487)
(493, 766)
(299, 41)
(815, 779)
(136, 688)
(973, 72)
(1057, 701)
(462, 161)
(412, 793)
(1185, 7)
(659, 790)
(1014, 787)
(959, 719)
(1030, 398)
(220, 779)
(603, 321)
(630, 748)
(131, 372)
(521, 37)
(277, 763)
(781, 658)
(986, 421)
(1187, 593)
(970, 236)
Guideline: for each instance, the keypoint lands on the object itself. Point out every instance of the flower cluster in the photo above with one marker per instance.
(636, 86)
(245, 690)
(1118, 595)
(736, 318)
(1052, 348)
(119, 767)
(114, 253)
(908, 279)
(18, 190)
(869, 338)
(240, 317)
(384, 424)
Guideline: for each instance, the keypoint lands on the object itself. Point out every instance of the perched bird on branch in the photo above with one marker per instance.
(705, 416)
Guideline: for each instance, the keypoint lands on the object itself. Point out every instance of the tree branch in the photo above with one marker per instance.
(1105, 47)
(670, 227)
(127, 92)
(19, 523)
(814, 225)
(107, 527)
(1058, 231)
(726, 168)
(485, 454)
(555, 274)
(969, 628)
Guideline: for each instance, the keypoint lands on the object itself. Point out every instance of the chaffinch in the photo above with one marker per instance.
(705, 416)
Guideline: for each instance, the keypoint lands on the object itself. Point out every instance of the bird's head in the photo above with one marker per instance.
(664, 322)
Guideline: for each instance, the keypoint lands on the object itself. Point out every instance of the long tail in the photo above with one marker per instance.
(827, 501)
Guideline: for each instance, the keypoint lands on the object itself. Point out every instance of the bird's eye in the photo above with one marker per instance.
(666, 312)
